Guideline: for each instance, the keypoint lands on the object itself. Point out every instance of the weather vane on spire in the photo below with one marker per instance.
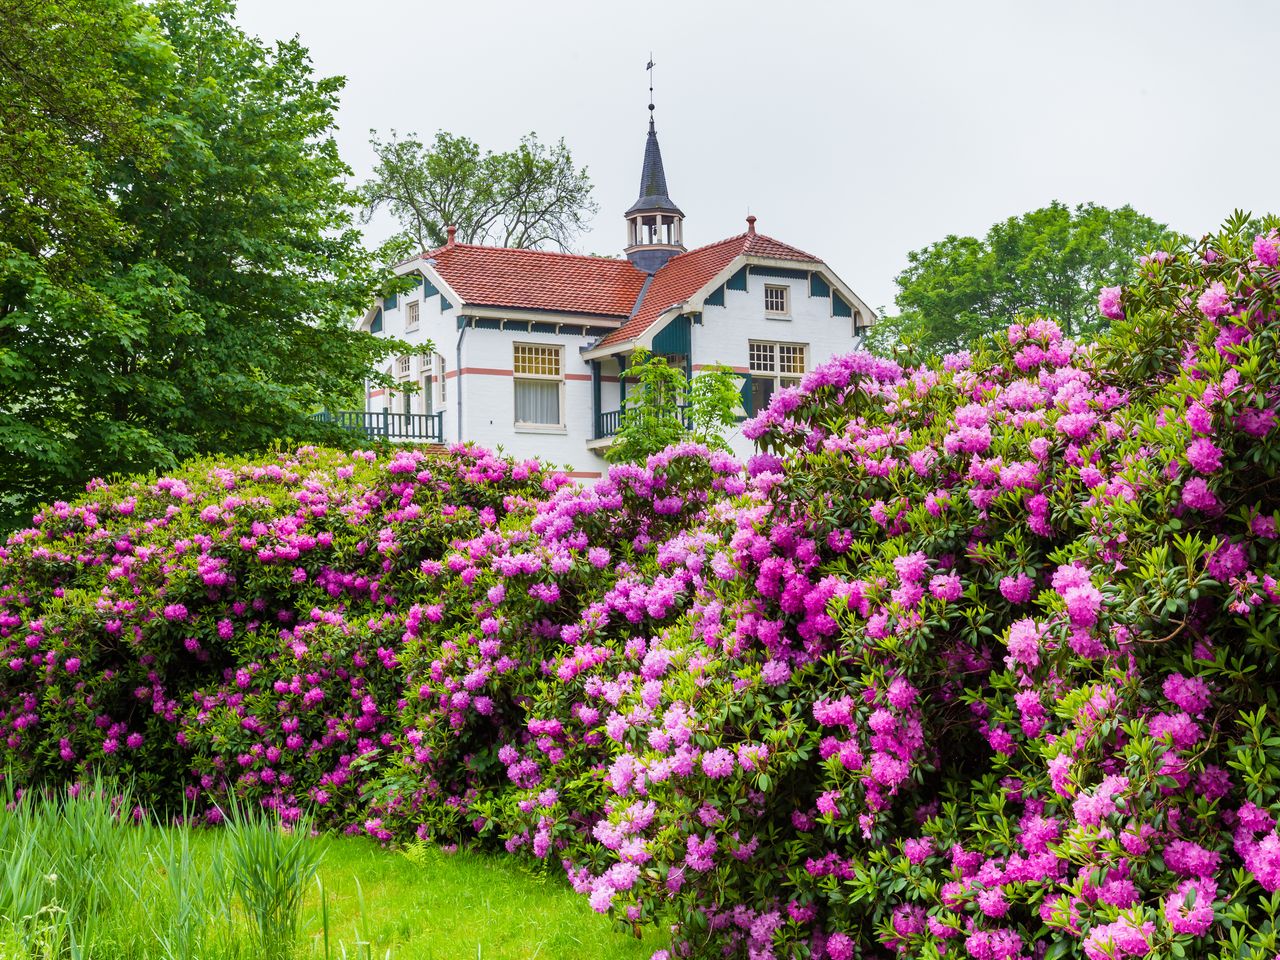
(649, 67)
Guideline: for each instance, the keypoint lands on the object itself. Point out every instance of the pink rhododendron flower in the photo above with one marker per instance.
(1109, 303)
(1197, 495)
(1214, 302)
(1204, 456)
(1189, 909)
(1266, 247)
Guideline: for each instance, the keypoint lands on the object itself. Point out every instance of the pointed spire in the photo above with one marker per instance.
(653, 178)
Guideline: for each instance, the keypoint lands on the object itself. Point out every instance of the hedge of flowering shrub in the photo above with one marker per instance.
(976, 659)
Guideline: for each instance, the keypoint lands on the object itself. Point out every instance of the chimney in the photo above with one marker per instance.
(452, 231)
(751, 226)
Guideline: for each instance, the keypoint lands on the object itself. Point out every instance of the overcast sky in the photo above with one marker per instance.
(855, 130)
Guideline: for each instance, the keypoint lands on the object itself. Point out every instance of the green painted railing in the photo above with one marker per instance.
(609, 422)
(423, 427)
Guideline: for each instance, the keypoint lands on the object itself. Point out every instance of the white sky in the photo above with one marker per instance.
(854, 130)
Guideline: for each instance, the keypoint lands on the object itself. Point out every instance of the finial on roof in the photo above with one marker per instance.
(751, 225)
(452, 231)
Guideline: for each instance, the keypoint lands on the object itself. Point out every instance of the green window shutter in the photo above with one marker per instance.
(746, 395)
(376, 325)
(839, 308)
(818, 287)
(391, 301)
(738, 281)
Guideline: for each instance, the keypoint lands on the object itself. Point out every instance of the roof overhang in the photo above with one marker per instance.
(544, 316)
(695, 303)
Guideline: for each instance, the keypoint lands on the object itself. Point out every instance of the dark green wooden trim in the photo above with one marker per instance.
(390, 301)
(375, 325)
(445, 305)
(676, 337)
(747, 408)
(783, 272)
(715, 298)
(595, 397)
(488, 323)
(839, 308)
(738, 281)
(818, 287)
(428, 288)
(520, 325)
(543, 328)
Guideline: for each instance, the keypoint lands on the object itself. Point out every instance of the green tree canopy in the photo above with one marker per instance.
(1050, 262)
(178, 262)
(532, 197)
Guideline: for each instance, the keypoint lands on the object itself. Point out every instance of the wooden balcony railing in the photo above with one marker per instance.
(422, 427)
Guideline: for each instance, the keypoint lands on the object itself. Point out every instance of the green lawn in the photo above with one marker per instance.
(461, 906)
(76, 881)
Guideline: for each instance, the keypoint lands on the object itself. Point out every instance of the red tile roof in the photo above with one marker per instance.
(686, 273)
(537, 280)
(569, 283)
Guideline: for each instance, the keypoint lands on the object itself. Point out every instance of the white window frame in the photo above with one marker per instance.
(774, 371)
(439, 371)
(785, 290)
(403, 366)
(558, 349)
(412, 314)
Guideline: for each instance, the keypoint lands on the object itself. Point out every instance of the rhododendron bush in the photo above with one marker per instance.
(973, 660)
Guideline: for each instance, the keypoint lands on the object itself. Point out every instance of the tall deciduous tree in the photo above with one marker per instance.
(533, 196)
(1048, 262)
(202, 300)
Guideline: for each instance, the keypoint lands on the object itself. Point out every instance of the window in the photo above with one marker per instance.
(402, 366)
(775, 298)
(411, 316)
(859, 326)
(439, 363)
(427, 406)
(538, 381)
(774, 365)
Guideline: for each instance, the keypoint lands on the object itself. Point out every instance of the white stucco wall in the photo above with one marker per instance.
(488, 399)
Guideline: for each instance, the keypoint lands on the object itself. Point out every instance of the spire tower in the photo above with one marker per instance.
(655, 225)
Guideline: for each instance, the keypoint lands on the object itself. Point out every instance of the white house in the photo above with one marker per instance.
(531, 347)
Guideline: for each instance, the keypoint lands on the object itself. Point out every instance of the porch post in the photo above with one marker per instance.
(595, 399)
(622, 383)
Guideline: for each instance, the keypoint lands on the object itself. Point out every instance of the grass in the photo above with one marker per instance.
(78, 881)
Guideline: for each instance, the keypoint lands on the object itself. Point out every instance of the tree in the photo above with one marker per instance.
(204, 302)
(1049, 262)
(532, 197)
(664, 407)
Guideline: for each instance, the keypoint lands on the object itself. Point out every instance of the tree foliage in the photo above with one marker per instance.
(178, 262)
(1049, 262)
(664, 407)
(533, 196)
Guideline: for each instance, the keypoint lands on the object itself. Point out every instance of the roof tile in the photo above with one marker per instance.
(539, 280)
(686, 273)
(597, 286)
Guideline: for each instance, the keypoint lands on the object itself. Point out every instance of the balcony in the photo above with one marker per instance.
(385, 425)
(609, 422)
